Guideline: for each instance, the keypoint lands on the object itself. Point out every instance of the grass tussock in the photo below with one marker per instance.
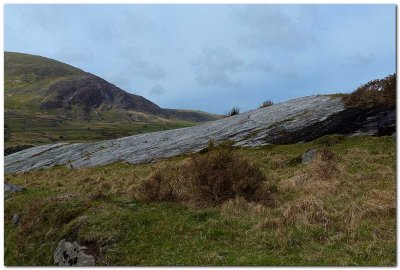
(379, 203)
(207, 179)
(241, 208)
(305, 210)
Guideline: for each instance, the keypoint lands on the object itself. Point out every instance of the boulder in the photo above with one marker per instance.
(308, 156)
(12, 188)
(71, 254)
(15, 219)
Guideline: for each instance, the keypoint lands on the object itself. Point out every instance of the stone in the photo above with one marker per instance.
(12, 188)
(15, 219)
(308, 156)
(71, 254)
(298, 120)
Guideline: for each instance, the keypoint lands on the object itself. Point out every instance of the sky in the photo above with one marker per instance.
(213, 57)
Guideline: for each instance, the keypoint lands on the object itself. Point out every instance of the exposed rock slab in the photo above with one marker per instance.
(297, 120)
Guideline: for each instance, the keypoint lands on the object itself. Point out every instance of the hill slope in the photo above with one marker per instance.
(298, 120)
(41, 92)
(347, 217)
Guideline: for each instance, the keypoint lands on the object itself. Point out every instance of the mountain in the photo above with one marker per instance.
(91, 92)
(41, 93)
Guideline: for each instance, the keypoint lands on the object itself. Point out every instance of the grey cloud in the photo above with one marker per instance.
(135, 63)
(271, 26)
(128, 23)
(215, 66)
(137, 22)
(157, 90)
(104, 31)
(43, 16)
(359, 60)
(262, 65)
(146, 69)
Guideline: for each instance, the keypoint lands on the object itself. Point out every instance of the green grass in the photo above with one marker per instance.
(98, 207)
(46, 128)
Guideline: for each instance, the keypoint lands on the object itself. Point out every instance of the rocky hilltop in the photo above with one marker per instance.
(297, 120)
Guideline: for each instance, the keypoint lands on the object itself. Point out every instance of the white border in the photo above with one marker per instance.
(151, 2)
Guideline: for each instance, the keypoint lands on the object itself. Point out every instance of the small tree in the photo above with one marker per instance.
(234, 111)
(266, 103)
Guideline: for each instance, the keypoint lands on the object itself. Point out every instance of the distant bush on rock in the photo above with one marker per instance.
(234, 111)
(266, 103)
(380, 92)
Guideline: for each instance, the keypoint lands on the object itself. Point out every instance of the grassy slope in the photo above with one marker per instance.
(48, 128)
(25, 82)
(96, 206)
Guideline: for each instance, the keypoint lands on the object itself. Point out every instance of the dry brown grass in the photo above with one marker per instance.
(378, 203)
(205, 180)
(240, 208)
(318, 178)
(306, 211)
(327, 178)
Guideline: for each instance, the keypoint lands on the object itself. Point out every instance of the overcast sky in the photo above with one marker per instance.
(213, 57)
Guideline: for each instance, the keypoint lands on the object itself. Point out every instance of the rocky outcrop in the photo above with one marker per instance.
(297, 120)
(89, 91)
(71, 254)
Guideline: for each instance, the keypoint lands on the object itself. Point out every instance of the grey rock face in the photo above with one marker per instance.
(297, 120)
(12, 188)
(308, 156)
(71, 254)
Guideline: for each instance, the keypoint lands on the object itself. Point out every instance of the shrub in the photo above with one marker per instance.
(234, 111)
(266, 103)
(205, 180)
(374, 93)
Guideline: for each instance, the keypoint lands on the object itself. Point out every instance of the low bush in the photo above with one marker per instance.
(234, 111)
(207, 179)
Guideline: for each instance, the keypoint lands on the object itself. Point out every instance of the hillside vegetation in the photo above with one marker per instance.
(339, 209)
(48, 101)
